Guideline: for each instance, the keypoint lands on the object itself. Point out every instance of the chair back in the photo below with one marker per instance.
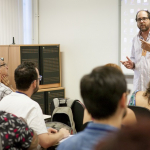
(140, 112)
(78, 113)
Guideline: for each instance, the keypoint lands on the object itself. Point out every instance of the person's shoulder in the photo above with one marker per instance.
(130, 118)
(141, 100)
(35, 103)
(70, 143)
(3, 86)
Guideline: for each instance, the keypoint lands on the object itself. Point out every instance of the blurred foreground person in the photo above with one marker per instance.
(104, 92)
(15, 133)
(135, 137)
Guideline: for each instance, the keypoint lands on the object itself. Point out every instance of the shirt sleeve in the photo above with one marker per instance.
(36, 120)
(4, 90)
(7, 92)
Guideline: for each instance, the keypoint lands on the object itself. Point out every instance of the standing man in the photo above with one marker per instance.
(20, 103)
(140, 58)
(104, 92)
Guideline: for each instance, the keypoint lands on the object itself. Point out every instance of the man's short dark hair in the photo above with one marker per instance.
(25, 74)
(102, 90)
(148, 14)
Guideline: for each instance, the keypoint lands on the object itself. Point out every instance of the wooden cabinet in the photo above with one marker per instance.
(45, 96)
(47, 59)
(45, 56)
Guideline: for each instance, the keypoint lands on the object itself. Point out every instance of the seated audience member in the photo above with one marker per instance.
(19, 103)
(136, 137)
(15, 134)
(128, 119)
(106, 108)
(141, 98)
(4, 82)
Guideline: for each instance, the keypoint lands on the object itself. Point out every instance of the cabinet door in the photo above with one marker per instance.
(30, 53)
(51, 96)
(39, 97)
(50, 64)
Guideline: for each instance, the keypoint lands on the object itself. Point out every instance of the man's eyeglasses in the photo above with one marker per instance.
(142, 19)
(2, 58)
(40, 78)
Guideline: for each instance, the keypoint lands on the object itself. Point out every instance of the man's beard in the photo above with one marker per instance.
(36, 89)
(145, 29)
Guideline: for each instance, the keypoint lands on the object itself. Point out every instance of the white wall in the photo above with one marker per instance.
(87, 31)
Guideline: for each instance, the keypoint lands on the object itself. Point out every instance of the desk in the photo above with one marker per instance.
(47, 118)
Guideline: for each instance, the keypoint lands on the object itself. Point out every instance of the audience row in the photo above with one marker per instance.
(104, 93)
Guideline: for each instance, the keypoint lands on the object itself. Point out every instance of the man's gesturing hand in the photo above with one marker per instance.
(145, 45)
(128, 64)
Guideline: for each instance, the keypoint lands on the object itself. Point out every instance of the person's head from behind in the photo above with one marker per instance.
(135, 137)
(27, 75)
(3, 67)
(104, 91)
(114, 65)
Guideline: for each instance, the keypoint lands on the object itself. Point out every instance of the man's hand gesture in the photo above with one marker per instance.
(128, 64)
(145, 45)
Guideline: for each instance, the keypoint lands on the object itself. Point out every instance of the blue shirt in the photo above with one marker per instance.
(88, 138)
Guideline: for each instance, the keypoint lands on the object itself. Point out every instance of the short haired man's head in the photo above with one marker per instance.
(25, 75)
(114, 65)
(102, 90)
(143, 20)
(3, 68)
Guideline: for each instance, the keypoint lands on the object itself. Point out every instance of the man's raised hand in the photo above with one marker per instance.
(128, 64)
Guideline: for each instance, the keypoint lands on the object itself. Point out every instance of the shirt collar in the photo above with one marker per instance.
(139, 35)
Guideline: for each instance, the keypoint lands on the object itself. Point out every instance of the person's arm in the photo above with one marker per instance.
(46, 140)
(36, 122)
(34, 142)
(51, 131)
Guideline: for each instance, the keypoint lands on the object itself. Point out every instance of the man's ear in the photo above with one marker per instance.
(34, 83)
(123, 100)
